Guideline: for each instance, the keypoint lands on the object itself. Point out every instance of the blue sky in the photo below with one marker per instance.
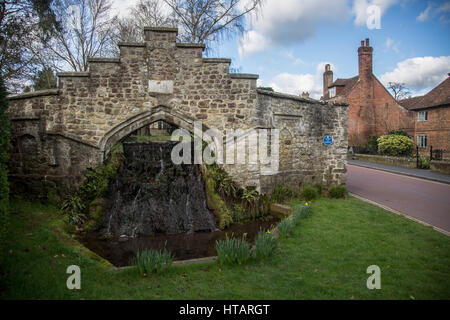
(291, 41)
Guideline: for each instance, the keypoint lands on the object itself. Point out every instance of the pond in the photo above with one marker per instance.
(121, 251)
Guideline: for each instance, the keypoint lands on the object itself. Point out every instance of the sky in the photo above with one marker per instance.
(290, 41)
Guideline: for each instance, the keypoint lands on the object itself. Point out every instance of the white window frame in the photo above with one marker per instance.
(422, 116)
(422, 141)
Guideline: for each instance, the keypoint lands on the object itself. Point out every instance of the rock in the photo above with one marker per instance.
(279, 210)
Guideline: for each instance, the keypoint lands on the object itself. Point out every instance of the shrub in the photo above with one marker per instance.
(337, 192)
(424, 163)
(224, 183)
(265, 245)
(395, 145)
(250, 200)
(372, 144)
(4, 146)
(282, 193)
(232, 251)
(285, 227)
(319, 188)
(398, 133)
(74, 207)
(153, 261)
(309, 193)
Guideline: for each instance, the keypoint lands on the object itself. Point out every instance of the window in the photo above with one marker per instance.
(422, 140)
(332, 91)
(422, 116)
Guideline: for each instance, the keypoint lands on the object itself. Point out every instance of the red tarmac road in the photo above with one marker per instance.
(425, 200)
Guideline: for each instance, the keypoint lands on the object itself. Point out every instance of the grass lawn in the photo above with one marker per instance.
(326, 258)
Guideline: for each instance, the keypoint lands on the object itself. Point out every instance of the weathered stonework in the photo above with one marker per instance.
(59, 133)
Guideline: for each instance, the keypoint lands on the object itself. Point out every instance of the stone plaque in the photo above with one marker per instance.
(160, 86)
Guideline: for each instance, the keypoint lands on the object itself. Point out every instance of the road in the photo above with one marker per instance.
(425, 200)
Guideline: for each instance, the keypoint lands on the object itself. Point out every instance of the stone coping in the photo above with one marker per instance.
(131, 44)
(298, 98)
(191, 45)
(179, 263)
(104, 60)
(40, 93)
(217, 60)
(72, 74)
(244, 76)
(161, 29)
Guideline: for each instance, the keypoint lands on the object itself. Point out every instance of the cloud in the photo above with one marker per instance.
(424, 15)
(392, 45)
(289, 21)
(295, 61)
(419, 73)
(360, 7)
(433, 10)
(297, 83)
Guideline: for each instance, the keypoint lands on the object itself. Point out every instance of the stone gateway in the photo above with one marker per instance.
(57, 134)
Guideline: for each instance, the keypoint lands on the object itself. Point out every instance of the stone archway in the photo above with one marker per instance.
(160, 113)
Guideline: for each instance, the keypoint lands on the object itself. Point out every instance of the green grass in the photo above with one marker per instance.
(325, 257)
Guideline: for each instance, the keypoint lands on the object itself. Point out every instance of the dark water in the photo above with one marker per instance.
(156, 204)
(153, 195)
(184, 246)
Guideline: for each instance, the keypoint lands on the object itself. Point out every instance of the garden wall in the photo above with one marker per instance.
(393, 161)
(440, 166)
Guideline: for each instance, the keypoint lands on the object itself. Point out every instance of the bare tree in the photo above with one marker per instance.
(144, 14)
(207, 21)
(18, 19)
(399, 90)
(86, 31)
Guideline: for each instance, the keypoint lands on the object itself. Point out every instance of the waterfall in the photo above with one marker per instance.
(153, 195)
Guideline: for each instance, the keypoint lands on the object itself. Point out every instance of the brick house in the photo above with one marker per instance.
(372, 109)
(432, 118)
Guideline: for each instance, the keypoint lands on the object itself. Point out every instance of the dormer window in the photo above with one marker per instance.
(332, 92)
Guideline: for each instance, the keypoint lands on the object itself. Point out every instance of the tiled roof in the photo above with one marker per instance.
(350, 83)
(437, 97)
(409, 103)
(339, 82)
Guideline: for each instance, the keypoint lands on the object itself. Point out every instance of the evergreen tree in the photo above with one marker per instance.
(45, 79)
(4, 146)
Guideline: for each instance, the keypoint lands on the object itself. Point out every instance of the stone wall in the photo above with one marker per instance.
(442, 166)
(58, 134)
(405, 162)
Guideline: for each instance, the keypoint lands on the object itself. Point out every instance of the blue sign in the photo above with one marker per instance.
(328, 140)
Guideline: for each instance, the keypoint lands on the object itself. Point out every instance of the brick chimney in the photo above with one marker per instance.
(327, 80)
(365, 60)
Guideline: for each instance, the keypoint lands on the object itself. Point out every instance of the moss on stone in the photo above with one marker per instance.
(59, 226)
(215, 202)
(94, 189)
(96, 210)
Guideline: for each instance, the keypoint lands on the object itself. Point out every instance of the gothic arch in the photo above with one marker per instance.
(146, 118)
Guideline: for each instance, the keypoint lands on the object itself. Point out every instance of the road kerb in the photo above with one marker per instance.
(401, 214)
